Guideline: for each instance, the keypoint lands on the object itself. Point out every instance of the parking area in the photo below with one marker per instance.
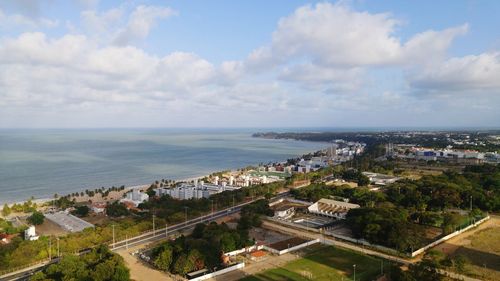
(313, 221)
(266, 237)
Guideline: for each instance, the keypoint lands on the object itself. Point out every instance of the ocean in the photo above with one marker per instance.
(43, 162)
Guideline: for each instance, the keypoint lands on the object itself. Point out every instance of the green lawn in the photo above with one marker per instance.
(325, 263)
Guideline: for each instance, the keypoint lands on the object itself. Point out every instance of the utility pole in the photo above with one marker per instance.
(186, 213)
(166, 230)
(50, 249)
(154, 230)
(212, 207)
(471, 202)
(58, 252)
(113, 235)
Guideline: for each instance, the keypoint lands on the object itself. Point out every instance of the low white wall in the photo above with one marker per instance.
(294, 248)
(219, 272)
(243, 250)
(451, 235)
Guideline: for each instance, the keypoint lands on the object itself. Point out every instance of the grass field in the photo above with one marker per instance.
(483, 253)
(325, 263)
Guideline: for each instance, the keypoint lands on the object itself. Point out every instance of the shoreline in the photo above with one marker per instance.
(40, 201)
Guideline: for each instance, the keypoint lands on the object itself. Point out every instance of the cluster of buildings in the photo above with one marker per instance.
(285, 209)
(197, 189)
(448, 154)
(340, 151)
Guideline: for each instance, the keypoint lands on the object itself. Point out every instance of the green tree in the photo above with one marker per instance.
(6, 210)
(116, 209)
(164, 260)
(227, 242)
(36, 218)
(81, 211)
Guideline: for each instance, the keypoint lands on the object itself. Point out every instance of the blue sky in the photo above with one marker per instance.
(93, 63)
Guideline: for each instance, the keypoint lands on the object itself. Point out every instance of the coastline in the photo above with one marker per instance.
(41, 201)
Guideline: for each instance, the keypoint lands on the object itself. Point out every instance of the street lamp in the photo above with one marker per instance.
(354, 266)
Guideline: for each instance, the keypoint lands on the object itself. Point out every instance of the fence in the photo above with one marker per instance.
(6, 272)
(451, 235)
(243, 250)
(294, 248)
(219, 272)
(338, 236)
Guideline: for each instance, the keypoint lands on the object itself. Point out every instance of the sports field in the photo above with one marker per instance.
(325, 263)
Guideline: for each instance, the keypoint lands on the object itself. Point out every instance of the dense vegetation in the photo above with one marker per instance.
(397, 217)
(20, 252)
(26, 207)
(36, 218)
(116, 209)
(205, 246)
(98, 265)
(451, 190)
(8, 228)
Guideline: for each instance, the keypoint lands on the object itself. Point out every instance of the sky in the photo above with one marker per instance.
(259, 63)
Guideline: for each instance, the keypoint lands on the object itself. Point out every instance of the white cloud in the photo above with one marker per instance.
(318, 53)
(473, 72)
(140, 22)
(20, 21)
(101, 23)
(318, 77)
(335, 35)
(331, 48)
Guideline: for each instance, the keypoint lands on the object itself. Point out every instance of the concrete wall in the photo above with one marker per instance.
(451, 235)
(294, 248)
(243, 250)
(219, 272)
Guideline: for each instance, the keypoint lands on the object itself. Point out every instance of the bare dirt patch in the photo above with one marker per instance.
(49, 228)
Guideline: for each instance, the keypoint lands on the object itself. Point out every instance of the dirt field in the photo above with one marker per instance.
(417, 174)
(266, 236)
(50, 228)
(288, 243)
(140, 271)
(99, 219)
(481, 246)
